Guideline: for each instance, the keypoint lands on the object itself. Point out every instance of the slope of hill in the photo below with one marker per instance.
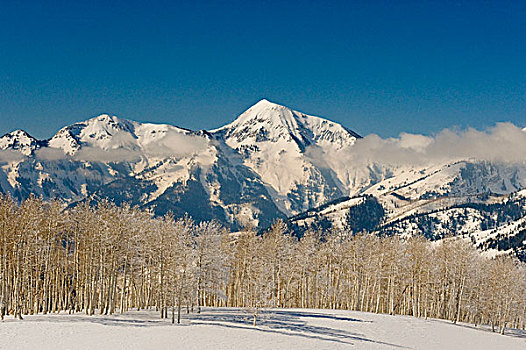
(493, 223)
(232, 329)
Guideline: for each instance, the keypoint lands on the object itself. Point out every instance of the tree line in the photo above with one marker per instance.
(107, 259)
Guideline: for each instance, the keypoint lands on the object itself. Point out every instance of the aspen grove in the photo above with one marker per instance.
(109, 259)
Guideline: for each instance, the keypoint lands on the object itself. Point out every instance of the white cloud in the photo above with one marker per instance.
(48, 153)
(7, 156)
(504, 142)
(176, 144)
(93, 154)
(172, 144)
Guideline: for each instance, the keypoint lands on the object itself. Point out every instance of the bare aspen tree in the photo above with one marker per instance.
(107, 258)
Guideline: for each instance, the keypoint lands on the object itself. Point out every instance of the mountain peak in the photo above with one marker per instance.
(264, 114)
(19, 140)
(103, 131)
(267, 121)
(19, 134)
(110, 122)
(264, 103)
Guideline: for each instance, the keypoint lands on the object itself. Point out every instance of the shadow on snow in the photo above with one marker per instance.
(288, 323)
(284, 322)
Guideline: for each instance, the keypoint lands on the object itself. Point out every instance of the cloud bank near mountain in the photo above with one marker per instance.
(172, 144)
(504, 142)
(8, 155)
(176, 144)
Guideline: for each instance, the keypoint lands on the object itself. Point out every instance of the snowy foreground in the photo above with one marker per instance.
(224, 328)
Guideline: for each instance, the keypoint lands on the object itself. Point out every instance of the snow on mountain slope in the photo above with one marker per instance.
(269, 162)
(151, 152)
(509, 238)
(267, 121)
(412, 190)
(107, 132)
(276, 143)
(495, 224)
(498, 229)
(159, 166)
(104, 132)
(19, 140)
(334, 212)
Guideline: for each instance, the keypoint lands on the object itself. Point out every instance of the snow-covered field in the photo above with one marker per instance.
(224, 328)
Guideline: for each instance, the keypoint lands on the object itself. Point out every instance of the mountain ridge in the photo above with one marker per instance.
(84, 158)
(270, 162)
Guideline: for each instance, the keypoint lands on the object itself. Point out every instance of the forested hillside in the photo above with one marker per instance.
(493, 224)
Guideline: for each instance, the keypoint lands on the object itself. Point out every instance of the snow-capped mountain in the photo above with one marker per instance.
(270, 162)
(282, 147)
(494, 223)
(150, 165)
(261, 166)
(21, 141)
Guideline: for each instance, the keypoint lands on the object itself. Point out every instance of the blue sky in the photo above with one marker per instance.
(376, 67)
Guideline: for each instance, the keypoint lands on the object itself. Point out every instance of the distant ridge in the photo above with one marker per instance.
(270, 162)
